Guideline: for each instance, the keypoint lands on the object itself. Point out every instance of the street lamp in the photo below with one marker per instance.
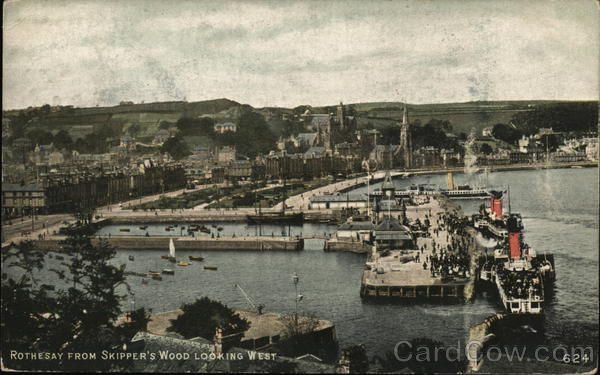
(298, 297)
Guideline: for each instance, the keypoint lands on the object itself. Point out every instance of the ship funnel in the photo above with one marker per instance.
(496, 203)
(514, 226)
(450, 181)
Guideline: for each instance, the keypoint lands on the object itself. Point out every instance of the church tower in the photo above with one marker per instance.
(341, 116)
(328, 134)
(406, 140)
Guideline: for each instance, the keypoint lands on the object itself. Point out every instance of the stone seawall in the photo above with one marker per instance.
(161, 243)
(348, 246)
(479, 335)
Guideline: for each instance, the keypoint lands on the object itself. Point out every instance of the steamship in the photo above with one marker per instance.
(492, 221)
(521, 276)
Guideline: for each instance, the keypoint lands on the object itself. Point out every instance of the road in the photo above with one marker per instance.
(15, 229)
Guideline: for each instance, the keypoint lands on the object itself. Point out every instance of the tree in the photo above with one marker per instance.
(253, 126)
(134, 130)
(562, 117)
(164, 124)
(80, 317)
(40, 136)
(196, 126)
(506, 133)
(486, 149)
(62, 139)
(202, 318)
(176, 147)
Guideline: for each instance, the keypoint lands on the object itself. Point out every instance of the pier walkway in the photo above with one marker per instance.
(402, 275)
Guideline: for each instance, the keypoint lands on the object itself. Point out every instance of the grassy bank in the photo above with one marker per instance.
(193, 199)
(269, 197)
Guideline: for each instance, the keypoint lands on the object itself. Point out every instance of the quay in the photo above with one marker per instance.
(248, 243)
(401, 274)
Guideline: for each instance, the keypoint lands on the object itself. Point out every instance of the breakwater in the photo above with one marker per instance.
(187, 243)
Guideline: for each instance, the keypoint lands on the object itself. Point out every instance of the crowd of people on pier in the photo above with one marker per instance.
(451, 260)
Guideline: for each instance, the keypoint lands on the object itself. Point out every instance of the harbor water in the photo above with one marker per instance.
(560, 215)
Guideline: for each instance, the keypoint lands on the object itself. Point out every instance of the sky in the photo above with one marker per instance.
(288, 53)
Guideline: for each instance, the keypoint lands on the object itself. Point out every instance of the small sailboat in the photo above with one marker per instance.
(183, 264)
(168, 271)
(171, 250)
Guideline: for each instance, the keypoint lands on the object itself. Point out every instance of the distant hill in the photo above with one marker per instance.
(81, 121)
(148, 116)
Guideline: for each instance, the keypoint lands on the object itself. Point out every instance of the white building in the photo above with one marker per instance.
(225, 127)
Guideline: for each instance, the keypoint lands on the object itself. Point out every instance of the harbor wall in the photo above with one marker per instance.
(348, 246)
(414, 292)
(220, 244)
(480, 333)
(134, 218)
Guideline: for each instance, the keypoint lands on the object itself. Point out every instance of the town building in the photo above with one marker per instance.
(127, 142)
(225, 127)
(226, 154)
(19, 200)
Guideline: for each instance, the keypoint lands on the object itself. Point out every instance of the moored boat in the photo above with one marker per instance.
(275, 217)
(157, 277)
(183, 264)
(196, 257)
(212, 268)
(168, 271)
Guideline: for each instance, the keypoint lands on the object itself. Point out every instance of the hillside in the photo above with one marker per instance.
(147, 117)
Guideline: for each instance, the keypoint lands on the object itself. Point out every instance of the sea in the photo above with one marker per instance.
(560, 215)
